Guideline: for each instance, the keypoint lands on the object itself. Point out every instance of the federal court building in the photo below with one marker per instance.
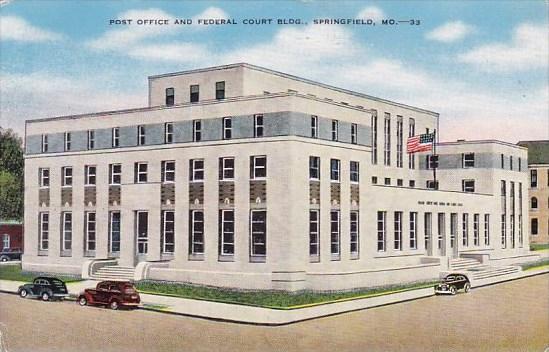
(244, 177)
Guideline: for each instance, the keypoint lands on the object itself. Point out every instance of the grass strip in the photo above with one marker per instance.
(539, 246)
(14, 273)
(535, 265)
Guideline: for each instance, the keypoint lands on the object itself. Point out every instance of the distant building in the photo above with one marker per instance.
(11, 235)
(538, 165)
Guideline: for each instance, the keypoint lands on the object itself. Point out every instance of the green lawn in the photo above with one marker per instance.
(539, 247)
(535, 265)
(14, 273)
(269, 299)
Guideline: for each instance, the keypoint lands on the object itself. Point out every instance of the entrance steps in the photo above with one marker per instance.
(114, 273)
(478, 271)
(464, 263)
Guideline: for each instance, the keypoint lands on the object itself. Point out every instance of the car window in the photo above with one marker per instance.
(450, 278)
(113, 288)
(102, 286)
(128, 289)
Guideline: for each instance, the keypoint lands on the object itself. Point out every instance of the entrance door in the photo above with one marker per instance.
(441, 235)
(142, 235)
(453, 234)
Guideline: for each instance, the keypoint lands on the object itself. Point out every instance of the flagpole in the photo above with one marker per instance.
(433, 153)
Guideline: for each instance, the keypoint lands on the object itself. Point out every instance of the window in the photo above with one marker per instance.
(44, 174)
(90, 231)
(114, 231)
(428, 229)
(468, 160)
(197, 130)
(195, 90)
(314, 231)
(227, 128)
(534, 226)
(400, 141)
(381, 228)
(453, 229)
(168, 171)
(90, 172)
(91, 139)
(142, 228)
(397, 243)
(226, 169)
(115, 174)
(503, 231)
(168, 132)
(441, 227)
(258, 242)
(140, 172)
(413, 230)
(44, 228)
(476, 225)
(5, 241)
(258, 167)
(334, 234)
(534, 203)
(374, 138)
(354, 129)
(355, 172)
(220, 90)
(400, 182)
(314, 168)
(468, 186)
(387, 144)
(44, 143)
(411, 133)
(354, 233)
(465, 229)
(412, 183)
(196, 169)
(314, 126)
(519, 164)
(168, 231)
(170, 96)
(387, 181)
(533, 178)
(502, 161)
(66, 241)
(374, 180)
(486, 229)
(196, 238)
(68, 141)
(258, 126)
(335, 130)
(430, 184)
(67, 176)
(116, 137)
(226, 233)
(511, 162)
(141, 135)
(334, 169)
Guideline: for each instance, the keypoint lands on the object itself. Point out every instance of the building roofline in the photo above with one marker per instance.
(286, 75)
(534, 141)
(483, 141)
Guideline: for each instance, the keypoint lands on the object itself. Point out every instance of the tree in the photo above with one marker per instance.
(11, 175)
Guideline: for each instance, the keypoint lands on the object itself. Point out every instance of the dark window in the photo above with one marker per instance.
(170, 96)
(44, 177)
(258, 126)
(258, 220)
(168, 231)
(226, 232)
(468, 160)
(334, 169)
(197, 130)
(196, 169)
(168, 171)
(314, 168)
(140, 135)
(195, 89)
(374, 180)
(140, 172)
(334, 232)
(196, 229)
(220, 90)
(314, 126)
(67, 176)
(533, 178)
(227, 128)
(258, 167)
(412, 183)
(314, 230)
(90, 172)
(68, 141)
(115, 174)
(116, 137)
(226, 168)
(44, 143)
(91, 139)
(387, 181)
(430, 184)
(354, 234)
(400, 182)
(355, 171)
(502, 161)
(534, 226)
(381, 230)
(468, 186)
(534, 203)
(168, 132)
(354, 129)
(335, 130)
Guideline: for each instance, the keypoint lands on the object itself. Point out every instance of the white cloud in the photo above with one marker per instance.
(210, 12)
(18, 29)
(450, 32)
(371, 12)
(178, 52)
(528, 49)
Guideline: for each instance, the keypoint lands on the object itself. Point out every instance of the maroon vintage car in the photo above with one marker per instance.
(114, 294)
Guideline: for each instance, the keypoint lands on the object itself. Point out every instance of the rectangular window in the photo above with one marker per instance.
(335, 167)
(258, 167)
(441, 227)
(355, 171)
(115, 174)
(453, 229)
(400, 141)
(502, 161)
(314, 233)
(400, 182)
(142, 228)
(511, 162)
(335, 130)
(355, 233)
(468, 160)
(168, 171)
(381, 230)
(91, 139)
(90, 231)
(170, 96)
(226, 169)
(354, 131)
(90, 173)
(468, 186)
(168, 231)
(114, 231)
(197, 130)
(259, 128)
(195, 90)
(428, 229)
(220, 90)
(141, 137)
(411, 133)
(44, 174)
(476, 225)
(67, 176)
(196, 245)
(44, 228)
(430, 184)
(387, 181)
(226, 232)
(44, 143)
(314, 168)
(503, 231)
(66, 241)
(314, 126)
(519, 164)
(116, 137)
(533, 178)
(534, 226)
(168, 132)
(413, 230)
(334, 234)
(374, 180)
(387, 144)
(465, 229)
(227, 128)
(374, 138)
(140, 172)
(258, 226)
(196, 171)
(397, 241)
(68, 141)
(486, 229)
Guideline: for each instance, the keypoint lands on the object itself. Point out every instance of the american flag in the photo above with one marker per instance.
(421, 143)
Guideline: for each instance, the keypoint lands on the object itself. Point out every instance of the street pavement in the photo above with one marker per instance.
(512, 316)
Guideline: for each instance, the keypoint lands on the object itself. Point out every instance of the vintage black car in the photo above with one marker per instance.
(452, 283)
(10, 254)
(45, 288)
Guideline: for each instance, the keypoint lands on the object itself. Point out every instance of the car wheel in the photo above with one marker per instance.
(23, 293)
(453, 290)
(45, 296)
(114, 305)
(83, 301)
(5, 259)
(467, 287)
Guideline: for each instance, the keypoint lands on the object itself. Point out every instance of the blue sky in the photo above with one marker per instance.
(482, 65)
